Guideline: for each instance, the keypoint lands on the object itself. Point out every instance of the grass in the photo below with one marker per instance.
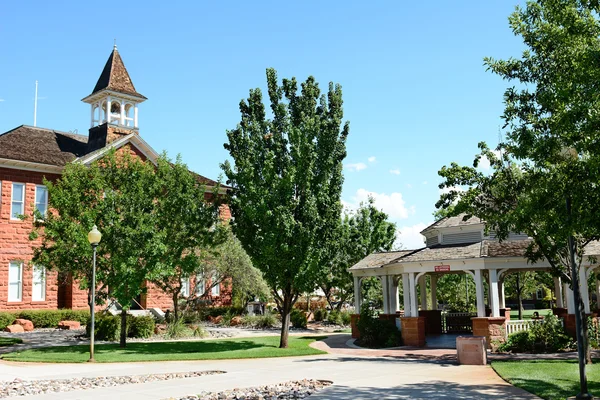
(8, 341)
(218, 349)
(549, 379)
(527, 314)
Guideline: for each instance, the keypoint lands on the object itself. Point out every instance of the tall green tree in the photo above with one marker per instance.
(520, 284)
(189, 224)
(544, 176)
(116, 193)
(287, 180)
(362, 232)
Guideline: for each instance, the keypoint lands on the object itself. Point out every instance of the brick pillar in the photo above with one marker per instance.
(570, 325)
(559, 311)
(413, 331)
(492, 328)
(354, 325)
(433, 321)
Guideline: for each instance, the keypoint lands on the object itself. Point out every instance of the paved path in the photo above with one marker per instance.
(357, 374)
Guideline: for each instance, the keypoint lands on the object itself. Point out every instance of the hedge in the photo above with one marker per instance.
(44, 318)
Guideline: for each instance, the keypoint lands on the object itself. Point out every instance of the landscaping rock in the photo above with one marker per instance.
(235, 321)
(159, 329)
(215, 320)
(69, 325)
(14, 329)
(25, 323)
(288, 390)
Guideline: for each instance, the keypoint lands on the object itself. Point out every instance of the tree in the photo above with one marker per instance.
(117, 194)
(519, 284)
(229, 264)
(286, 183)
(189, 224)
(362, 232)
(545, 174)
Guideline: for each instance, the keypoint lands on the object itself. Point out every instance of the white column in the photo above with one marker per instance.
(92, 117)
(558, 293)
(122, 122)
(386, 295)
(357, 299)
(494, 297)
(393, 292)
(597, 294)
(412, 287)
(433, 287)
(501, 294)
(479, 294)
(406, 295)
(570, 299)
(108, 104)
(135, 116)
(423, 294)
(585, 291)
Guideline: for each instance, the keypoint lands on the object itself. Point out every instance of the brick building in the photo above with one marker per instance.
(28, 154)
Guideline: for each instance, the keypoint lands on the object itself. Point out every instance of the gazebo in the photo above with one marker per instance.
(458, 246)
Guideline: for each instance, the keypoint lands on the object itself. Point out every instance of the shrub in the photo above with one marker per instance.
(298, 319)
(106, 327)
(260, 321)
(199, 332)
(82, 316)
(376, 333)
(6, 319)
(320, 314)
(346, 317)
(140, 327)
(178, 330)
(42, 318)
(594, 332)
(546, 336)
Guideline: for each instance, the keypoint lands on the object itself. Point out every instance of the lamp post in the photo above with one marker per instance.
(94, 237)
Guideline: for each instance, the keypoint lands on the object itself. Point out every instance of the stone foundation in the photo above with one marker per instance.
(506, 313)
(492, 328)
(354, 325)
(413, 331)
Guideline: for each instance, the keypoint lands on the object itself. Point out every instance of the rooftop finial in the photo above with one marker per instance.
(115, 45)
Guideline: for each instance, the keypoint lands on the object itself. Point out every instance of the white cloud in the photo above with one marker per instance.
(484, 162)
(395, 171)
(1, 100)
(356, 167)
(393, 204)
(408, 237)
(451, 188)
(371, 159)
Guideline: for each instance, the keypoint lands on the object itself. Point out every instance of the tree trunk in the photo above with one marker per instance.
(123, 339)
(286, 308)
(175, 307)
(519, 297)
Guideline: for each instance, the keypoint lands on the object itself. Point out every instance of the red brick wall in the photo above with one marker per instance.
(156, 298)
(15, 244)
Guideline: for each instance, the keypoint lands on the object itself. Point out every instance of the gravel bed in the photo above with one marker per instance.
(287, 390)
(20, 387)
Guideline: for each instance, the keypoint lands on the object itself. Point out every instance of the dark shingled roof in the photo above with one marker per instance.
(380, 259)
(447, 222)
(458, 251)
(39, 145)
(115, 77)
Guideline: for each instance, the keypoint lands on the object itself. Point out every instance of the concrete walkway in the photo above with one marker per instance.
(356, 374)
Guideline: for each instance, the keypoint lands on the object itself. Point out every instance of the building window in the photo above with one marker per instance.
(15, 284)
(200, 286)
(216, 290)
(38, 292)
(18, 200)
(185, 287)
(41, 199)
(539, 295)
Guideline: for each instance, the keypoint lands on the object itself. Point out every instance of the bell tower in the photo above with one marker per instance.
(114, 104)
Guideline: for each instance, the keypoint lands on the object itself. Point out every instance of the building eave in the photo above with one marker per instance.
(30, 166)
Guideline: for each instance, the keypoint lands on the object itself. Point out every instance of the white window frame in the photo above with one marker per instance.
(12, 200)
(216, 289)
(39, 271)
(19, 282)
(35, 199)
(200, 285)
(185, 287)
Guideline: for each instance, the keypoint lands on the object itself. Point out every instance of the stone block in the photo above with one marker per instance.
(354, 325)
(471, 350)
(235, 321)
(413, 331)
(69, 325)
(14, 329)
(25, 323)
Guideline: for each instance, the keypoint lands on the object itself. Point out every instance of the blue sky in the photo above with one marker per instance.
(416, 92)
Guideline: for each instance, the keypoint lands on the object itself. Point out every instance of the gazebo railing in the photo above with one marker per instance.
(520, 325)
(457, 322)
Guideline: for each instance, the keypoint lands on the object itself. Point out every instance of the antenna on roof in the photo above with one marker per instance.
(35, 104)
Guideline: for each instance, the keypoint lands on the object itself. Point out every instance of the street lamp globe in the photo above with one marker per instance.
(94, 236)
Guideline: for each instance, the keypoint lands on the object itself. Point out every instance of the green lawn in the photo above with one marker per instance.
(9, 341)
(527, 314)
(259, 347)
(548, 379)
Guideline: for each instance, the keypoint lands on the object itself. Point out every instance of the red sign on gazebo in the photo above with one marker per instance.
(442, 268)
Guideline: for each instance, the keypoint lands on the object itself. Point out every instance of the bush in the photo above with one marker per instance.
(6, 319)
(42, 318)
(82, 316)
(178, 330)
(106, 327)
(260, 321)
(346, 317)
(140, 327)
(199, 332)
(594, 332)
(320, 314)
(298, 319)
(546, 336)
(376, 333)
